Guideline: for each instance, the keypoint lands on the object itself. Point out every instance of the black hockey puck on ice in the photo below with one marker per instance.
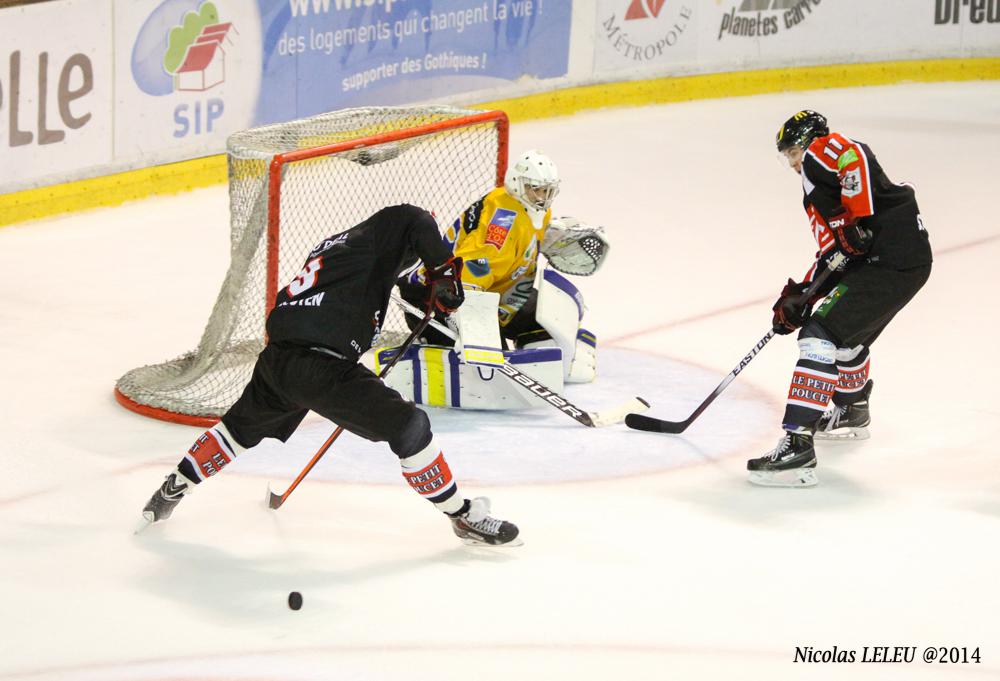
(295, 600)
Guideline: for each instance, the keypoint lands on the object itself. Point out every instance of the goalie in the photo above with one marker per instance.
(499, 238)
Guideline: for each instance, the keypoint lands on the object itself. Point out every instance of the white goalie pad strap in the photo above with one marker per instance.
(574, 247)
(436, 376)
(478, 332)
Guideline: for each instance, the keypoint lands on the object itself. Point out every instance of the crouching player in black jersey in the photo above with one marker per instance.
(321, 324)
(856, 210)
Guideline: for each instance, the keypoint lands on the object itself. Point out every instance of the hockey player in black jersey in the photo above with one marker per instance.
(855, 209)
(321, 324)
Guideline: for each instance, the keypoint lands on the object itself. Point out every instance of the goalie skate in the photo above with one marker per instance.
(845, 422)
(792, 463)
(475, 527)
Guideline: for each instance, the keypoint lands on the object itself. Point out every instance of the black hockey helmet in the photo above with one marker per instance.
(801, 129)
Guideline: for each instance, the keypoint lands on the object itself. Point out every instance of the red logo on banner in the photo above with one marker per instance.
(644, 9)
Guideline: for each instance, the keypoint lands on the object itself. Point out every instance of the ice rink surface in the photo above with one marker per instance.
(645, 557)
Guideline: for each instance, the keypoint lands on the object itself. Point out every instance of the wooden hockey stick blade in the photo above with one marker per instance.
(655, 425)
(609, 417)
(274, 501)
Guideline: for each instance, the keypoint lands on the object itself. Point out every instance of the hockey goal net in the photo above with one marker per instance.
(292, 184)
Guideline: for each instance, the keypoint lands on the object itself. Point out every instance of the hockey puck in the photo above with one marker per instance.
(295, 600)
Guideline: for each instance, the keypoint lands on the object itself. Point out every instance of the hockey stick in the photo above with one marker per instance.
(655, 425)
(591, 419)
(275, 501)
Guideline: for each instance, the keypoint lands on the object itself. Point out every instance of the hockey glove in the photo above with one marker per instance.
(852, 239)
(444, 285)
(789, 311)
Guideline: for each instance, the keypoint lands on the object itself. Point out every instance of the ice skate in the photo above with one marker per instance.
(791, 464)
(845, 422)
(475, 527)
(162, 503)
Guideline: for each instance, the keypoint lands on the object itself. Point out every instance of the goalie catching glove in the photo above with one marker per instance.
(574, 247)
(444, 285)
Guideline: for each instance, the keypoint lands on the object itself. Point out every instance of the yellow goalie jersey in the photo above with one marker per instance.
(499, 243)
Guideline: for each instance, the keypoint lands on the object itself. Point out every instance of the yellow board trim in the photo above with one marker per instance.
(111, 190)
(434, 363)
(743, 83)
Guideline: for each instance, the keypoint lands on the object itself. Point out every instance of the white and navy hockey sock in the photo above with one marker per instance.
(427, 472)
(212, 451)
(813, 384)
(853, 384)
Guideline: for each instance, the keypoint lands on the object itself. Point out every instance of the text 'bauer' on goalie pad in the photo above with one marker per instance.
(559, 311)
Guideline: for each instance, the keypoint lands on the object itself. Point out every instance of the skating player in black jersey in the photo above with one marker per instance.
(854, 209)
(321, 323)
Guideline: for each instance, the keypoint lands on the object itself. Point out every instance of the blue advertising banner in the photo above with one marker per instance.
(320, 55)
(190, 72)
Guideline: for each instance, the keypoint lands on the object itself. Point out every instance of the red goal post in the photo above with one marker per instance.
(293, 184)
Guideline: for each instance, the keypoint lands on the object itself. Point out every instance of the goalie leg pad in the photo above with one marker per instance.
(560, 309)
(583, 368)
(583, 365)
(434, 376)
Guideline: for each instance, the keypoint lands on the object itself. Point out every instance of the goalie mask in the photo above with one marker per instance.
(533, 180)
(573, 247)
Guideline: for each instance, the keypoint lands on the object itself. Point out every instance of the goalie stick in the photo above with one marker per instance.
(655, 425)
(591, 419)
(274, 501)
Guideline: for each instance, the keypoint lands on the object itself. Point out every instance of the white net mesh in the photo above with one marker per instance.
(443, 171)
